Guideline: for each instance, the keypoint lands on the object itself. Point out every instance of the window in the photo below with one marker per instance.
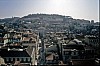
(24, 59)
(11, 59)
(28, 59)
(66, 53)
(18, 59)
(7, 59)
(73, 53)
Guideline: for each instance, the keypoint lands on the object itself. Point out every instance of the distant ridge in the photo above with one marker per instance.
(37, 15)
(40, 16)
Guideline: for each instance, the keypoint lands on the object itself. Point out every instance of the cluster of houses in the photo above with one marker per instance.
(62, 49)
(17, 47)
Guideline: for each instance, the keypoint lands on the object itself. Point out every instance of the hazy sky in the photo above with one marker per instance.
(85, 9)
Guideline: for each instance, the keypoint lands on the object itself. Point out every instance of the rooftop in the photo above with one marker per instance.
(14, 54)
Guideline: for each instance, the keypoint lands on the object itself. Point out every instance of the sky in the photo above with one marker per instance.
(79, 9)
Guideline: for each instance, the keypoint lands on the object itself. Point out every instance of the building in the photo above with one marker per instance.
(3, 36)
(72, 51)
(24, 56)
(92, 40)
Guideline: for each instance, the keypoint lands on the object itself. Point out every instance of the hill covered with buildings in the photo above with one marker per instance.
(49, 39)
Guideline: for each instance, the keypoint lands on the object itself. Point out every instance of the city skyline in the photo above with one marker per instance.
(79, 9)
